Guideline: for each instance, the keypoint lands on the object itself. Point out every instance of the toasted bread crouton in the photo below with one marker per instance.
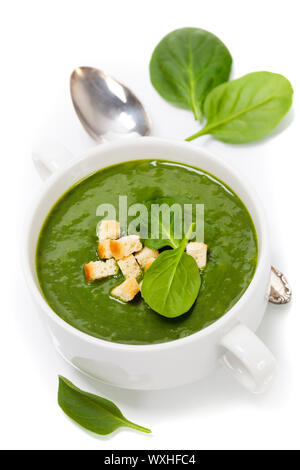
(129, 266)
(198, 251)
(145, 255)
(108, 230)
(150, 261)
(99, 269)
(127, 290)
(125, 246)
(104, 249)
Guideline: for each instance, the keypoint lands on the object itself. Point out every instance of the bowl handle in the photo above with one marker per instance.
(248, 359)
(49, 156)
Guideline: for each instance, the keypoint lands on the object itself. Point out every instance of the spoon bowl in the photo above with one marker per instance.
(106, 108)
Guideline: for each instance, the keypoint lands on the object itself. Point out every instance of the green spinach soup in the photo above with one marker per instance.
(68, 241)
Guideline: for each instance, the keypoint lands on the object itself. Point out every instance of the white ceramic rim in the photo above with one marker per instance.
(262, 255)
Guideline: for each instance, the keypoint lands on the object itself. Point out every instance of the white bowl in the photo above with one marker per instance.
(230, 340)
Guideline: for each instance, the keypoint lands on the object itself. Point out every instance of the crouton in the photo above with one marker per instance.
(127, 290)
(108, 230)
(198, 251)
(99, 269)
(125, 246)
(104, 249)
(145, 255)
(150, 261)
(129, 266)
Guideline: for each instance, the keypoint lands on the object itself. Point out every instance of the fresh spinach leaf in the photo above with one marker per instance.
(186, 65)
(166, 230)
(246, 109)
(171, 284)
(92, 412)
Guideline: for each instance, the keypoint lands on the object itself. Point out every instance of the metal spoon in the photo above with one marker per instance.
(106, 108)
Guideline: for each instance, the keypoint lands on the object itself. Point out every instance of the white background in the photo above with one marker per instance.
(41, 43)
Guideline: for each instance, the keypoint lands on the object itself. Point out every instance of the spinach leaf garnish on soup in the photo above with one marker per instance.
(172, 283)
(96, 280)
(166, 232)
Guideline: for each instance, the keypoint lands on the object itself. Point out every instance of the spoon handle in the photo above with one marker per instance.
(280, 291)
